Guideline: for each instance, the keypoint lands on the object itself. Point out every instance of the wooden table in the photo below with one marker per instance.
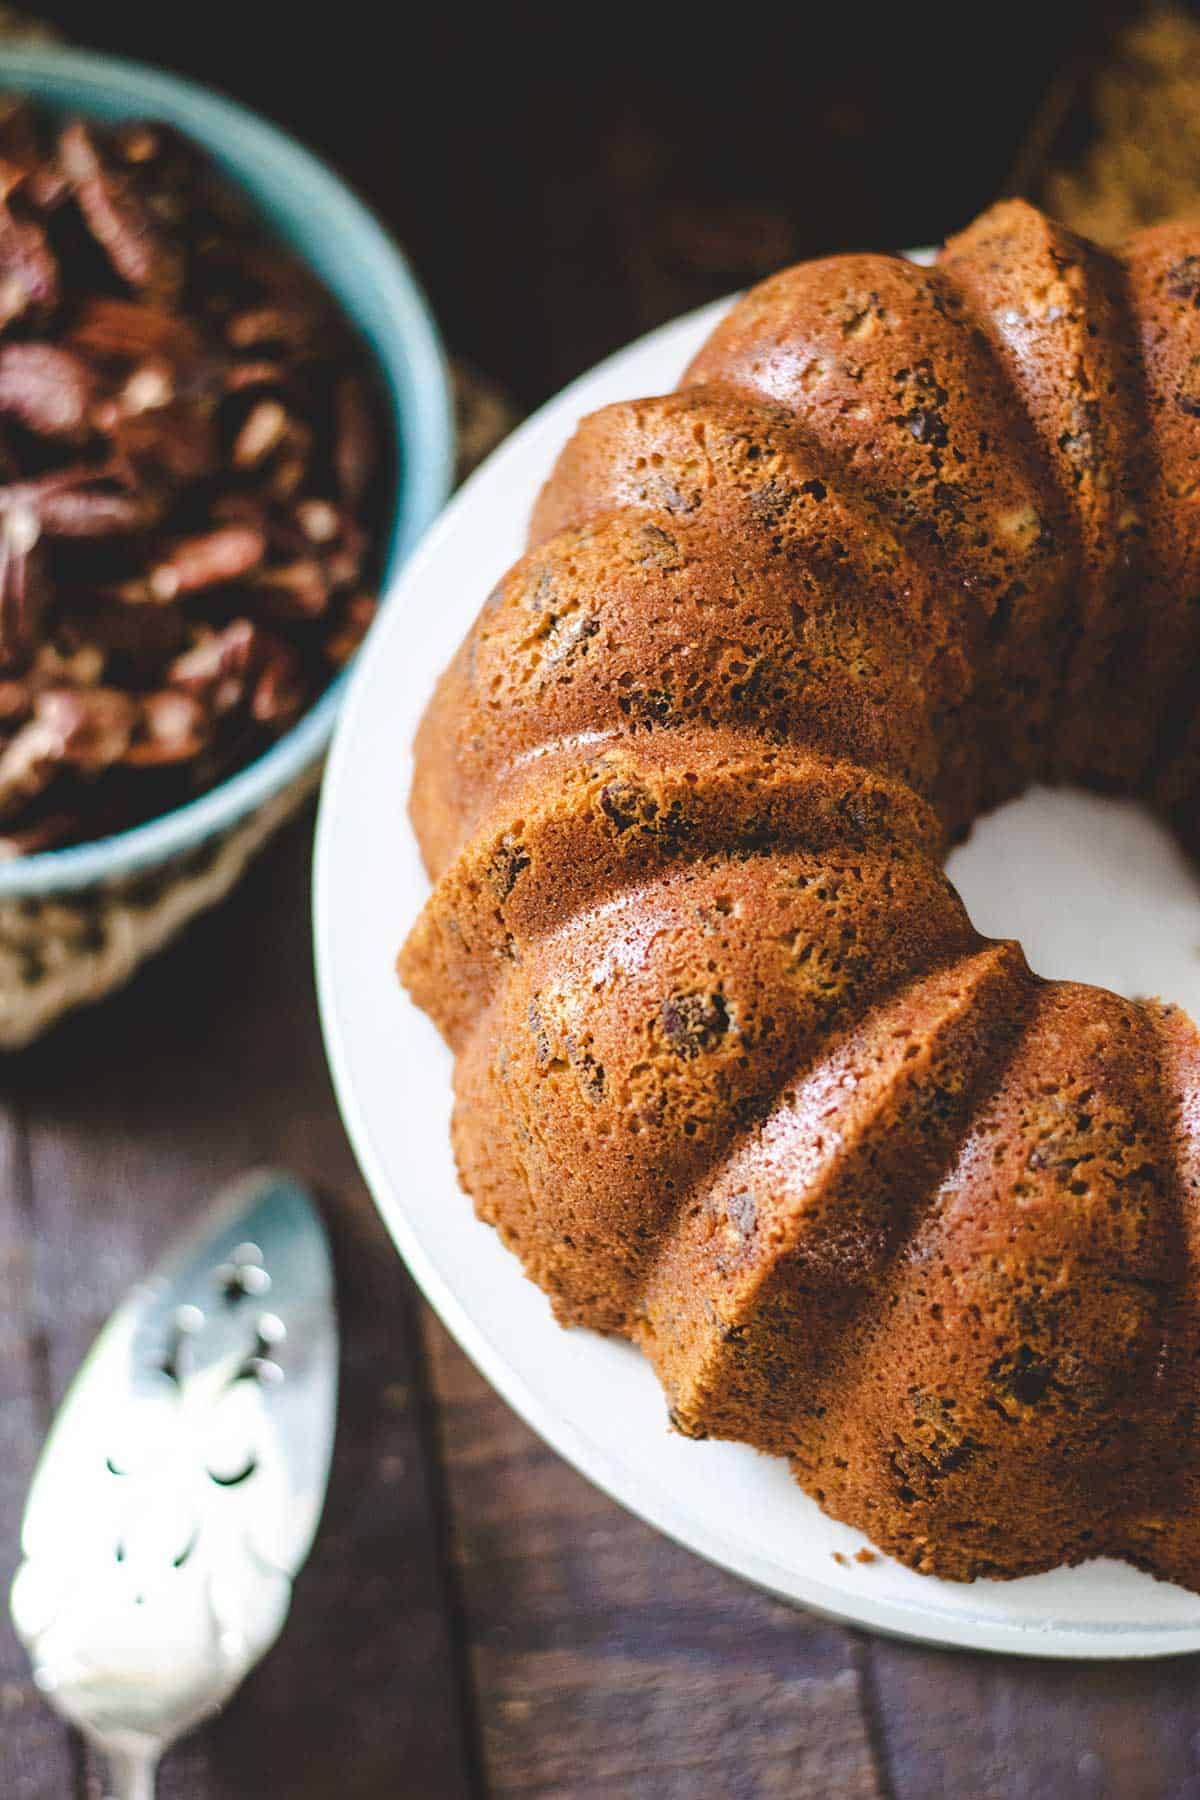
(475, 1618)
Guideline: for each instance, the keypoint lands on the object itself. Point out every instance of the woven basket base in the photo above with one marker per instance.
(67, 950)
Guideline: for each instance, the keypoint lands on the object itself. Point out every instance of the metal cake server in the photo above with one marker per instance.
(180, 1487)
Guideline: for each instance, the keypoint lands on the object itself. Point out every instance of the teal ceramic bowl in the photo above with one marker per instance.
(309, 209)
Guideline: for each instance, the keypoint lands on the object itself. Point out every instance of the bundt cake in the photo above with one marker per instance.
(736, 1078)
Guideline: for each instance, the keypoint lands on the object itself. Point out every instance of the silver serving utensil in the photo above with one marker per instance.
(180, 1487)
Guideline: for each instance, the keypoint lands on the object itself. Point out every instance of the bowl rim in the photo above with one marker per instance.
(415, 377)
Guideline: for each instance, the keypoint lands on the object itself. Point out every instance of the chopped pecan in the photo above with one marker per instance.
(88, 731)
(11, 177)
(280, 691)
(137, 142)
(288, 470)
(271, 327)
(139, 639)
(344, 559)
(41, 834)
(47, 389)
(209, 560)
(134, 330)
(98, 508)
(76, 665)
(118, 217)
(298, 590)
(318, 520)
(20, 155)
(357, 617)
(16, 699)
(92, 729)
(240, 377)
(217, 667)
(29, 279)
(172, 728)
(150, 387)
(80, 502)
(264, 429)
(174, 444)
(355, 453)
(28, 764)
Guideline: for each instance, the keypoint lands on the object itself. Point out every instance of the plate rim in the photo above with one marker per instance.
(1052, 1637)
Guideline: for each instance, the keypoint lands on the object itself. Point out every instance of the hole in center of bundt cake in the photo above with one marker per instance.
(1095, 889)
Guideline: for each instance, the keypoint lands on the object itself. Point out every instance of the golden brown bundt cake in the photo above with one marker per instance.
(735, 1076)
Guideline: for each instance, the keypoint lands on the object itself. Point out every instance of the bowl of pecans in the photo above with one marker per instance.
(224, 423)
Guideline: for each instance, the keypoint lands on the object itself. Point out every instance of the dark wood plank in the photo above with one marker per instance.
(994, 1727)
(608, 1660)
(36, 1756)
(211, 1062)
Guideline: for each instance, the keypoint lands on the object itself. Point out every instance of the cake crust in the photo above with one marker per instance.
(736, 1078)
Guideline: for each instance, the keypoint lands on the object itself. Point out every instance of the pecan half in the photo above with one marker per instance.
(132, 330)
(81, 502)
(118, 217)
(47, 389)
(358, 615)
(355, 451)
(218, 666)
(22, 582)
(265, 428)
(172, 728)
(88, 732)
(298, 590)
(279, 692)
(29, 279)
(210, 560)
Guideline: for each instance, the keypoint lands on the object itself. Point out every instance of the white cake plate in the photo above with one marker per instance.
(1093, 890)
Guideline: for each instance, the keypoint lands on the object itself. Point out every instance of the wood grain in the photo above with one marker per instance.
(609, 1661)
(36, 1756)
(128, 1118)
(994, 1727)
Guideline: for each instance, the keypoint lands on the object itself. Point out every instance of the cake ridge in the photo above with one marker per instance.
(801, 501)
(619, 820)
(953, 956)
(1159, 1538)
(1065, 1384)
(993, 966)
(1160, 269)
(652, 1094)
(1044, 297)
(876, 353)
(647, 623)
